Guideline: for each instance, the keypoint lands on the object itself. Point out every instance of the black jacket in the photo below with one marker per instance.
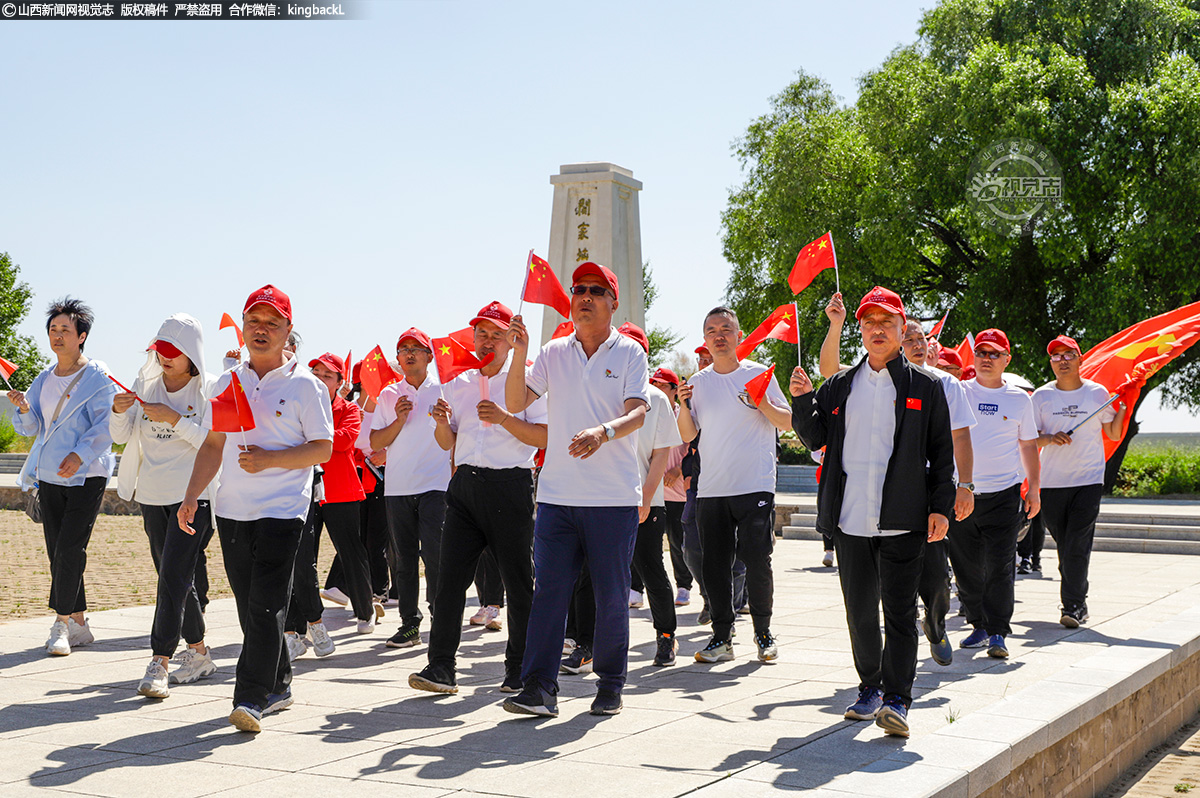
(911, 489)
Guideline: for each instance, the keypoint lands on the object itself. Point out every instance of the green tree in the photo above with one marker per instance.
(662, 339)
(1110, 87)
(15, 297)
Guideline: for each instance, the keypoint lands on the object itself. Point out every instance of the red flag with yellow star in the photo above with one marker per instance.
(812, 260)
(757, 386)
(543, 288)
(231, 409)
(781, 324)
(453, 358)
(376, 373)
(1124, 362)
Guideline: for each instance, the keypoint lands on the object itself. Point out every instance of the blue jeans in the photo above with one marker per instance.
(562, 538)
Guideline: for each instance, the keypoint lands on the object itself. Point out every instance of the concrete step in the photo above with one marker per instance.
(1140, 545)
(1148, 531)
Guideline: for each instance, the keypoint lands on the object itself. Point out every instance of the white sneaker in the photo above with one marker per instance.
(569, 645)
(59, 644)
(193, 666)
(365, 627)
(683, 597)
(827, 560)
(480, 617)
(154, 683)
(295, 646)
(335, 596)
(495, 620)
(322, 644)
(635, 600)
(79, 635)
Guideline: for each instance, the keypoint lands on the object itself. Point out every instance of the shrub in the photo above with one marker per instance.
(1157, 471)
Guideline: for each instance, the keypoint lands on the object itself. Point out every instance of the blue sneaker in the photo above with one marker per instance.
(996, 647)
(870, 699)
(246, 718)
(278, 701)
(977, 639)
(893, 716)
(940, 649)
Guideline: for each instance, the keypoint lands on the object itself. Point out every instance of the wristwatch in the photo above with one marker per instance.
(609, 432)
(968, 485)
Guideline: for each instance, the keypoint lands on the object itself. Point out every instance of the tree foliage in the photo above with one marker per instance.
(1110, 87)
(15, 297)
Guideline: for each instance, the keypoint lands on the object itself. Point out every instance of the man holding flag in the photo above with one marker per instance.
(279, 426)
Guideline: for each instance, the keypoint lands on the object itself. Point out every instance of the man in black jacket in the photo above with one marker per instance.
(880, 422)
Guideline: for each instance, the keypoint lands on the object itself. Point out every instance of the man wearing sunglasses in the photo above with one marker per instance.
(595, 382)
(983, 548)
(1073, 467)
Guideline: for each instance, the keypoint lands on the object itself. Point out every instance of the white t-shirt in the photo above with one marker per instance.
(659, 432)
(415, 463)
(1082, 462)
(961, 415)
(737, 450)
(867, 449)
(583, 392)
(167, 458)
(53, 387)
(494, 446)
(291, 407)
(1005, 416)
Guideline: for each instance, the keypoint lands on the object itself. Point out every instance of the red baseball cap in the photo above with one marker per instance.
(356, 372)
(664, 374)
(270, 295)
(331, 362)
(631, 330)
(968, 373)
(416, 335)
(701, 350)
(500, 315)
(595, 269)
(994, 338)
(165, 348)
(949, 357)
(1063, 340)
(880, 297)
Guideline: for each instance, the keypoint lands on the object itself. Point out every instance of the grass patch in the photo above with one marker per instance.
(1159, 470)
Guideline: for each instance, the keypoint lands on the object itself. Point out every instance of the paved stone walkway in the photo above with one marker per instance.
(76, 725)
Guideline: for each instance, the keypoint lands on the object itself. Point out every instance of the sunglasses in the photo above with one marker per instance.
(594, 290)
(411, 350)
(1061, 356)
(988, 354)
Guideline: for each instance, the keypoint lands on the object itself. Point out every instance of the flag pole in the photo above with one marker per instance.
(525, 283)
(6, 385)
(796, 318)
(837, 277)
(1096, 412)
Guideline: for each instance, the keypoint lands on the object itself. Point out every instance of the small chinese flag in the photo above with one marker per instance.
(465, 336)
(757, 387)
(227, 321)
(937, 328)
(966, 350)
(231, 409)
(543, 288)
(452, 358)
(780, 324)
(812, 260)
(912, 403)
(563, 330)
(376, 374)
(7, 367)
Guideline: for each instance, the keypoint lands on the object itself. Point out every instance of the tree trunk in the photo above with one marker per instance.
(1113, 466)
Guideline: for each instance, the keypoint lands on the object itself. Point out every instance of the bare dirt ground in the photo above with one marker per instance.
(1169, 770)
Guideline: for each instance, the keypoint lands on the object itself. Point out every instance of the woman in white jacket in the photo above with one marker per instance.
(161, 423)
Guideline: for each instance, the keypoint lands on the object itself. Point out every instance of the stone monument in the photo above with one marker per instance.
(595, 217)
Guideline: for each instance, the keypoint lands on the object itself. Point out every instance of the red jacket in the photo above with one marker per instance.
(341, 480)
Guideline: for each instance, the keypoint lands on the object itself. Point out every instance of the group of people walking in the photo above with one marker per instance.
(920, 470)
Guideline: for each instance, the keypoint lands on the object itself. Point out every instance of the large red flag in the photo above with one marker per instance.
(757, 386)
(231, 409)
(227, 321)
(376, 374)
(780, 324)
(543, 288)
(1123, 363)
(452, 358)
(812, 260)
(7, 368)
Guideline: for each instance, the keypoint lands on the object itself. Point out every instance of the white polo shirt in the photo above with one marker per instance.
(415, 462)
(737, 451)
(291, 407)
(584, 392)
(494, 446)
(1005, 416)
(659, 432)
(867, 449)
(1082, 462)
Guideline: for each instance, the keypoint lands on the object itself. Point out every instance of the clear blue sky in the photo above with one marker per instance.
(390, 172)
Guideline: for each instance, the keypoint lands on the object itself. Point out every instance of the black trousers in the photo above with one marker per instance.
(648, 563)
(488, 583)
(679, 568)
(1070, 516)
(340, 520)
(305, 606)
(883, 569)
(1031, 545)
(492, 509)
(260, 557)
(175, 553)
(983, 549)
(68, 515)
(415, 530)
(581, 612)
(934, 588)
(732, 528)
(372, 528)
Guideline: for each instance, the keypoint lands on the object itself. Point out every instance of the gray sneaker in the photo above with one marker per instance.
(193, 666)
(322, 643)
(154, 683)
(715, 651)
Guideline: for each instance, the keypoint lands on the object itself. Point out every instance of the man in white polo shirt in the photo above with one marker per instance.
(736, 501)
(983, 548)
(414, 484)
(1073, 467)
(263, 496)
(589, 490)
(489, 503)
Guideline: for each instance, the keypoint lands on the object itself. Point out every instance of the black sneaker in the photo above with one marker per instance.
(1026, 566)
(705, 616)
(512, 683)
(1072, 618)
(408, 636)
(667, 646)
(434, 679)
(533, 700)
(579, 661)
(607, 702)
(1036, 565)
